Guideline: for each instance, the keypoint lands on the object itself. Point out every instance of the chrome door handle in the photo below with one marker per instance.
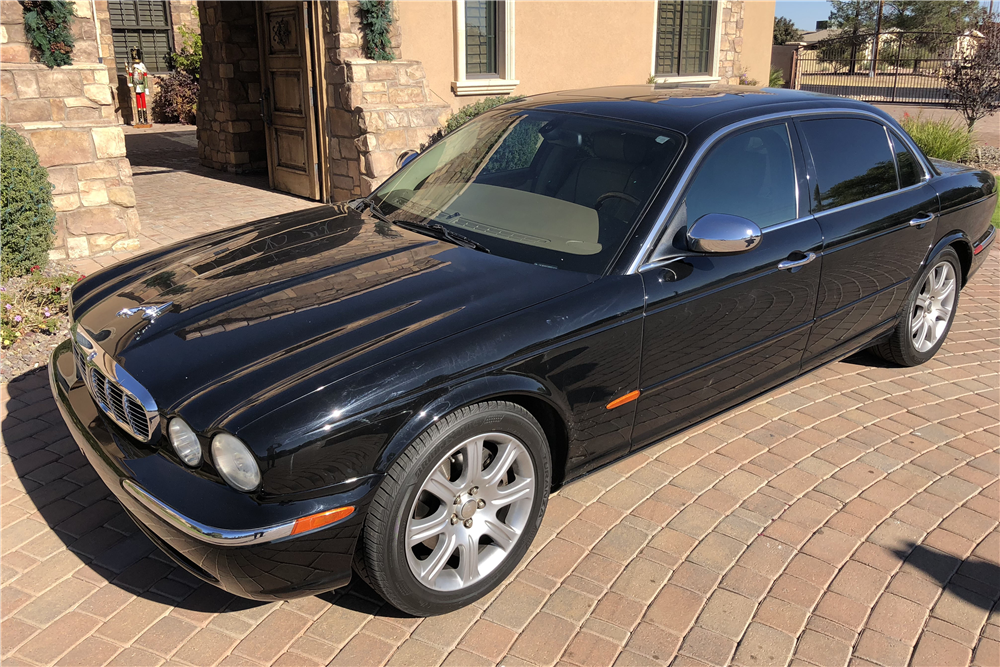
(795, 263)
(919, 222)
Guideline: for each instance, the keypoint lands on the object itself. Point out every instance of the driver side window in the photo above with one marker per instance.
(750, 174)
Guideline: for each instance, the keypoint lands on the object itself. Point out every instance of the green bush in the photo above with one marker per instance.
(942, 139)
(468, 112)
(776, 78)
(27, 218)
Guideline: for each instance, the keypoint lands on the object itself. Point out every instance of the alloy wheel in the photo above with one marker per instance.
(470, 512)
(933, 307)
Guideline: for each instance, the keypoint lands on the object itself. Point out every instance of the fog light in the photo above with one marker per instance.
(235, 462)
(184, 441)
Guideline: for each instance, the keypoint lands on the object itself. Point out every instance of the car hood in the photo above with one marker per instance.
(261, 314)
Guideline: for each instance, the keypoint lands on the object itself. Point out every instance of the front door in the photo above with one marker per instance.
(288, 97)
(720, 328)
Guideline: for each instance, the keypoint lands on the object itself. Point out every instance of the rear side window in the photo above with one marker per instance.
(750, 174)
(853, 161)
(906, 162)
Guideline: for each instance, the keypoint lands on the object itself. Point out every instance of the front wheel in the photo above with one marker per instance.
(458, 509)
(928, 315)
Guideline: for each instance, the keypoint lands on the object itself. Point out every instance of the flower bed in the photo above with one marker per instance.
(34, 318)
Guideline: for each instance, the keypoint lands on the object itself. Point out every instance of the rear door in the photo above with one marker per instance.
(720, 328)
(877, 212)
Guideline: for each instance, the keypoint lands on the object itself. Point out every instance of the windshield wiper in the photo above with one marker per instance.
(436, 230)
(440, 231)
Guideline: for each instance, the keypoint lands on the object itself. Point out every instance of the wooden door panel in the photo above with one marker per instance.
(286, 74)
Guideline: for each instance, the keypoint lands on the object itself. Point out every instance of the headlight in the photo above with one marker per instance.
(184, 441)
(235, 462)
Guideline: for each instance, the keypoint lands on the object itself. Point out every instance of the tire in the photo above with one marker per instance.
(915, 340)
(493, 515)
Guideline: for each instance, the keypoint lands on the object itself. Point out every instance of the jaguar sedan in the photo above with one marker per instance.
(393, 386)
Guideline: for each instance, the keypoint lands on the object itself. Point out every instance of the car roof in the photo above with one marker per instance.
(683, 108)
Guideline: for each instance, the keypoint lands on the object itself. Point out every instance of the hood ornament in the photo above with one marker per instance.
(149, 312)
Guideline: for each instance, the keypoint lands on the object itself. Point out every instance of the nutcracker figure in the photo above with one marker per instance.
(138, 77)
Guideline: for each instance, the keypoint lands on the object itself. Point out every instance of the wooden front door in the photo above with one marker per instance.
(288, 97)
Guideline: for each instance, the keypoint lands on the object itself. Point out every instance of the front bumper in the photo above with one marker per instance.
(257, 563)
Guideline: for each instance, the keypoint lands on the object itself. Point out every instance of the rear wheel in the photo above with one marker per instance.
(928, 315)
(458, 509)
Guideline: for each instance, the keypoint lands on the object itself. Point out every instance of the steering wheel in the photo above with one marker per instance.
(615, 195)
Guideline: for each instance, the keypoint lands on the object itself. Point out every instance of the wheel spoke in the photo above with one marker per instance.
(473, 461)
(501, 464)
(441, 486)
(503, 535)
(915, 324)
(421, 530)
(519, 489)
(434, 563)
(922, 301)
(468, 559)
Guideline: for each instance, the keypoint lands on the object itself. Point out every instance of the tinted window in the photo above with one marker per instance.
(750, 174)
(557, 190)
(906, 162)
(852, 159)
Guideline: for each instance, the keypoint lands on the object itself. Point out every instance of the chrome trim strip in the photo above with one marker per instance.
(640, 260)
(201, 532)
(844, 207)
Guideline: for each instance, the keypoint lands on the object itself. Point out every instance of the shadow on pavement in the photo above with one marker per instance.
(80, 510)
(941, 567)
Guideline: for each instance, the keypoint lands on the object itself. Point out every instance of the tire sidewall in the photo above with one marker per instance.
(914, 356)
(408, 593)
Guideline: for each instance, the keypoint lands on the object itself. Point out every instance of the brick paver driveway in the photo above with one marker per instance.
(848, 517)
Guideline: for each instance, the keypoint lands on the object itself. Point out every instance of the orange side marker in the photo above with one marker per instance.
(314, 521)
(627, 398)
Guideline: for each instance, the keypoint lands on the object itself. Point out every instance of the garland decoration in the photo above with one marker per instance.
(376, 20)
(47, 26)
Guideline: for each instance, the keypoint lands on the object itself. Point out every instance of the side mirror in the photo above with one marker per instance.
(405, 158)
(722, 233)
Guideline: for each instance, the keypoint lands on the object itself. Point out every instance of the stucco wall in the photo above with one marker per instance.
(758, 29)
(564, 45)
(558, 45)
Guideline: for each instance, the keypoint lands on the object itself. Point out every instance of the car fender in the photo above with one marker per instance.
(952, 237)
(476, 390)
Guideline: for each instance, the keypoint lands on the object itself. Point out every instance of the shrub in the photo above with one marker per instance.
(942, 139)
(176, 98)
(470, 111)
(27, 219)
(376, 21)
(776, 78)
(188, 59)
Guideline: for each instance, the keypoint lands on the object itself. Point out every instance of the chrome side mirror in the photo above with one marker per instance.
(722, 233)
(405, 158)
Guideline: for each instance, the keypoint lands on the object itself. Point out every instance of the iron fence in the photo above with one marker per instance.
(892, 67)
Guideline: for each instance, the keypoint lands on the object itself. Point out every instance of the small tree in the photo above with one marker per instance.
(785, 31)
(973, 79)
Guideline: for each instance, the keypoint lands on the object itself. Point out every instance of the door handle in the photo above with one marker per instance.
(920, 222)
(265, 106)
(796, 263)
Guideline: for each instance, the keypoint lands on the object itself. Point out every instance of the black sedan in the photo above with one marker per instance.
(394, 385)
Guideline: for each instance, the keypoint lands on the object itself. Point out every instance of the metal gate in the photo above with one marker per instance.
(892, 67)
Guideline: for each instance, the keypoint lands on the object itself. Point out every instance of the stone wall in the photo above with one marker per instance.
(230, 130)
(376, 110)
(731, 41)
(67, 114)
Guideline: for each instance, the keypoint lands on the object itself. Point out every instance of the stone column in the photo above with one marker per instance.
(377, 109)
(230, 131)
(67, 114)
(731, 41)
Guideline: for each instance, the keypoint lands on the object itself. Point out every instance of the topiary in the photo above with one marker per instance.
(27, 218)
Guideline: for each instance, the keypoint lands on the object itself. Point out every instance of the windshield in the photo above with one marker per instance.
(556, 190)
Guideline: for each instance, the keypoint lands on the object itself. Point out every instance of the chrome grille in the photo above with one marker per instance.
(124, 408)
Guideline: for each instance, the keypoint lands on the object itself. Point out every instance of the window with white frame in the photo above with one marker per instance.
(485, 53)
(686, 38)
